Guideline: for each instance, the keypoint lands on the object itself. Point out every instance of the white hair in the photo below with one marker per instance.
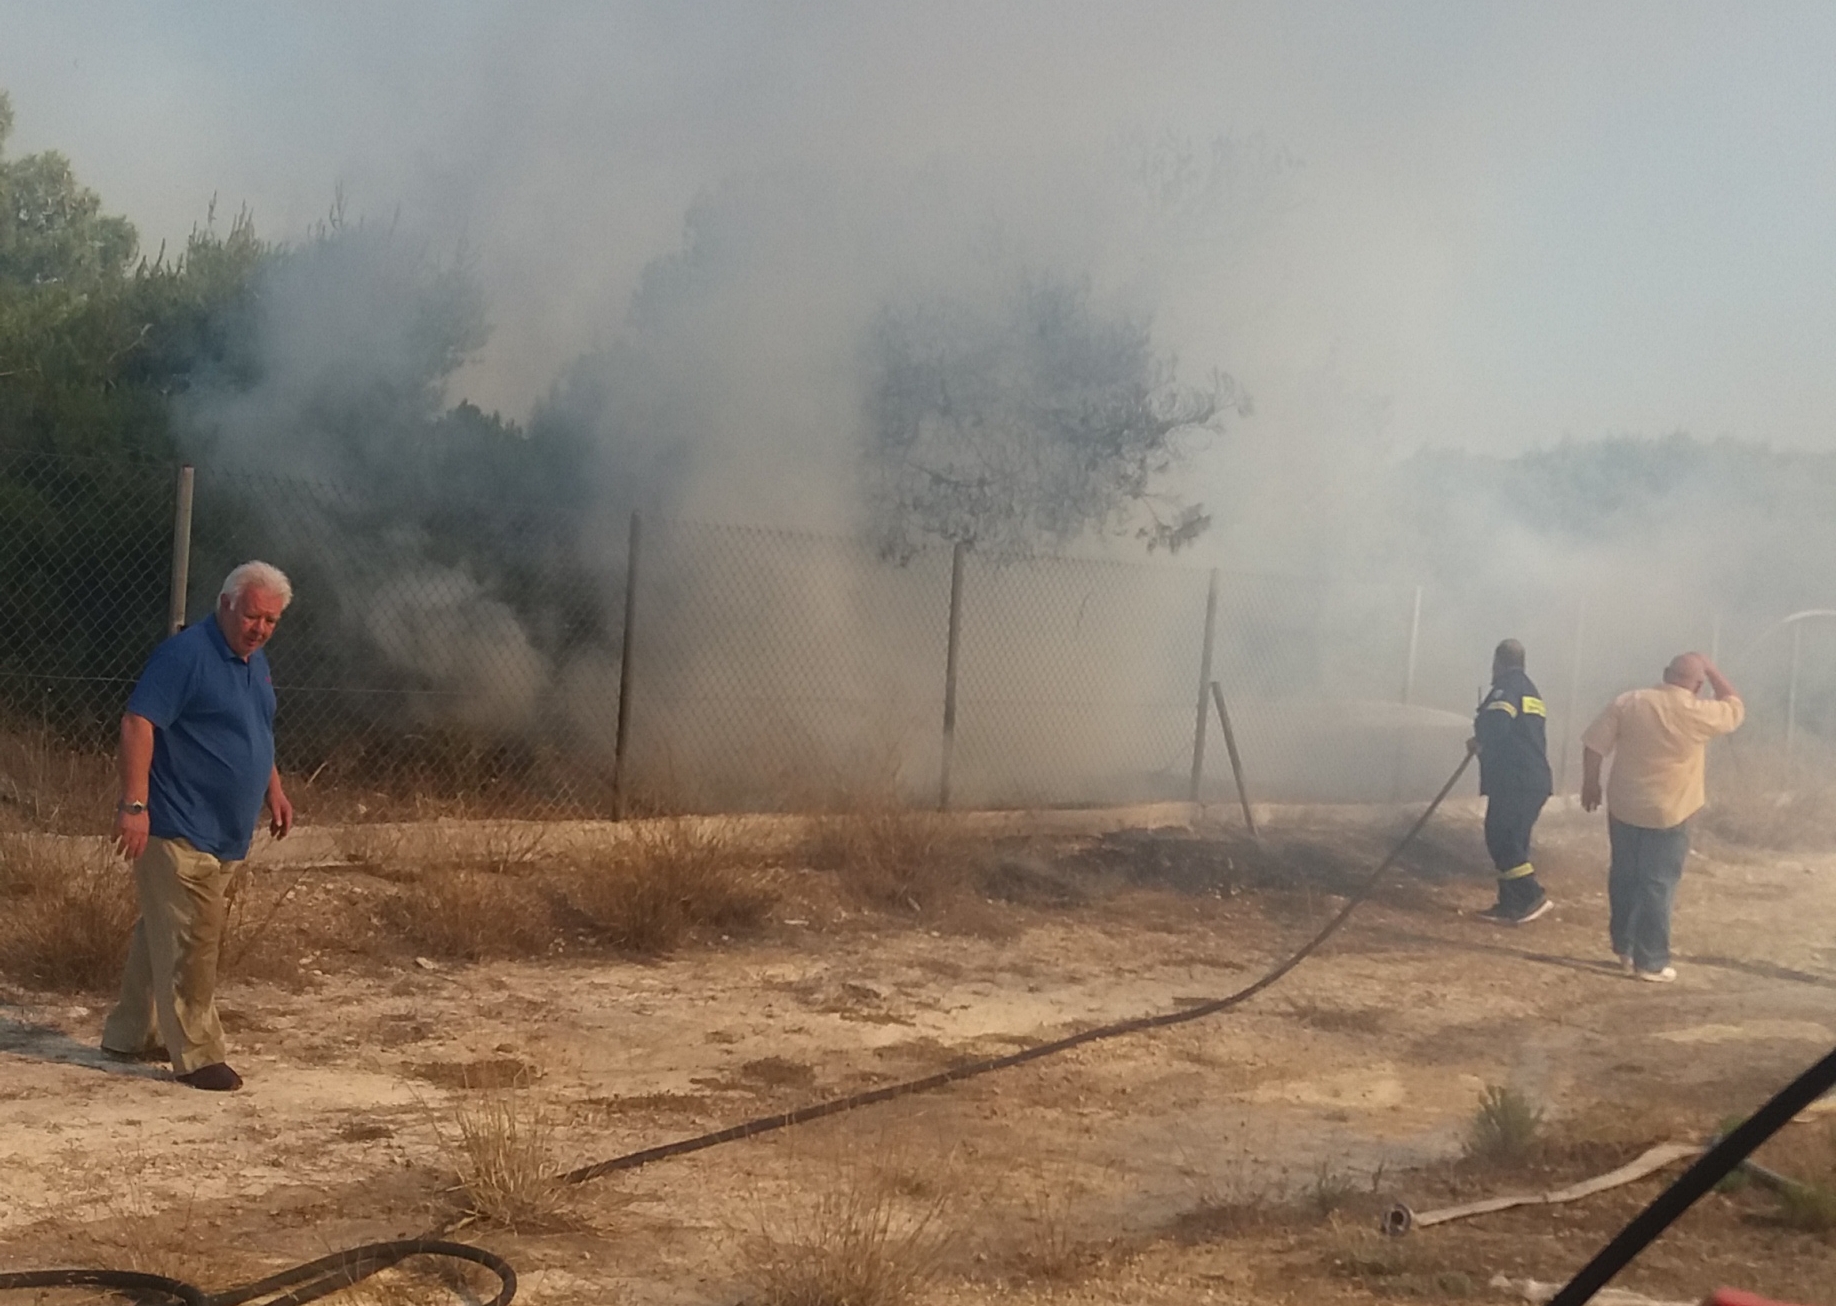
(256, 576)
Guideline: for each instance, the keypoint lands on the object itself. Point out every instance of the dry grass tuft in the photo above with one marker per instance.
(379, 849)
(672, 878)
(1051, 1249)
(66, 909)
(893, 857)
(135, 1211)
(860, 1244)
(1411, 1269)
(471, 915)
(1331, 1189)
(501, 1143)
(1757, 800)
(1235, 1193)
(439, 1284)
(1505, 1127)
(256, 905)
(46, 784)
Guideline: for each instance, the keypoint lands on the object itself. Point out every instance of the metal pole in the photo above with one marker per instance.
(1415, 638)
(1791, 696)
(1574, 697)
(625, 675)
(181, 550)
(1236, 760)
(1408, 691)
(950, 652)
(1204, 708)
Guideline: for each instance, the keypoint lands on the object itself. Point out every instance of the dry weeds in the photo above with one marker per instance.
(471, 915)
(254, 907)
(1051, 1249)
(66, 909)
(860, 1243)
(45, 784)
(893, 857)
(439, 1284)
(1410, 1269)
(1759, 800)
(670, 880)
(124, 1216)
(501, 1146)
(1241, 1193)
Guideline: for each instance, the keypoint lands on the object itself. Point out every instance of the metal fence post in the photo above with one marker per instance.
(1204, 708)
(181, 550)
(1236, 761)
(1415, 639)
(1574, 697)
(955, 640)
(1791, 696)
(622, 739)
(1408, 692)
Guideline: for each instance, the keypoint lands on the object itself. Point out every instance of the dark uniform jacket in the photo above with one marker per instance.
(1513, 745)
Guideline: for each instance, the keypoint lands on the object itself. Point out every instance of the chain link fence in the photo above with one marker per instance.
(447, 658)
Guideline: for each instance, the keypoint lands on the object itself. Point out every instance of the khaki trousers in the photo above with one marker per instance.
(168, 992)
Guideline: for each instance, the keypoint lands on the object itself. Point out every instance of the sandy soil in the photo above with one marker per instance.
(1241, 1158)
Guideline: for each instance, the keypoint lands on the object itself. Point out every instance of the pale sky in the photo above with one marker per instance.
(1509, 224)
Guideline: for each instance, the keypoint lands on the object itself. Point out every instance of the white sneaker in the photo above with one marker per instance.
(1665, 976)
(1625, 963)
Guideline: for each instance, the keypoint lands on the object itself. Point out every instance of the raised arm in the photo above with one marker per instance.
(1719, 683)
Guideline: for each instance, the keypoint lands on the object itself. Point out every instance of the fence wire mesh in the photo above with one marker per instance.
(1078, 679)
(419, 671)
(775, 669)
(85, 554)
(452, 658)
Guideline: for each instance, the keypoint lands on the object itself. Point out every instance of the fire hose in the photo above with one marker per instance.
(291, 1287)
(332, 1273)
(1714, 1165)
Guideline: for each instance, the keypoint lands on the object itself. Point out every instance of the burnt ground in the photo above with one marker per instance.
(1243, 1158)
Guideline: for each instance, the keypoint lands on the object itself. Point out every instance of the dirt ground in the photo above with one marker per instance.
(1242, 1158)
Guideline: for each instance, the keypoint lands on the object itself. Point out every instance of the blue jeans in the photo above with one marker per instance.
(1641, 887)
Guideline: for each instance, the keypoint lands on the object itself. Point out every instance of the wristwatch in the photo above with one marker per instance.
(130, 809)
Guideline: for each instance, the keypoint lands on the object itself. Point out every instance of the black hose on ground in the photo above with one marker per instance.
(987, 1066)
(291, 1287)
(330, 1274)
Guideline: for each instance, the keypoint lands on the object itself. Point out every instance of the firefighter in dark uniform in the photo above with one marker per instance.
(1510, 732)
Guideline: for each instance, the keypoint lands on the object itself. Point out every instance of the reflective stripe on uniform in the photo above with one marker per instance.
(1502, 705)
(1534, 706)
(1517, 872)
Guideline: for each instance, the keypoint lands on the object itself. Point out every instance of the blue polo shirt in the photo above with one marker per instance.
(213, 739)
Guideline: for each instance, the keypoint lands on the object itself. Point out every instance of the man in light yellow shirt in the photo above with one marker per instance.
(1659, 741)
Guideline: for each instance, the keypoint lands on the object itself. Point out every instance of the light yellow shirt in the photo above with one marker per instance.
(1658, 739)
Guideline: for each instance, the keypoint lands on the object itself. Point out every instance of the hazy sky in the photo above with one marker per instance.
(1508, 223)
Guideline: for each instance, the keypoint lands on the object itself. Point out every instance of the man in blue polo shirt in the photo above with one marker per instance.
(196, 765)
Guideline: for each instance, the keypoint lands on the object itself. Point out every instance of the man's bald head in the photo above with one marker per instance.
(1687, 670)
